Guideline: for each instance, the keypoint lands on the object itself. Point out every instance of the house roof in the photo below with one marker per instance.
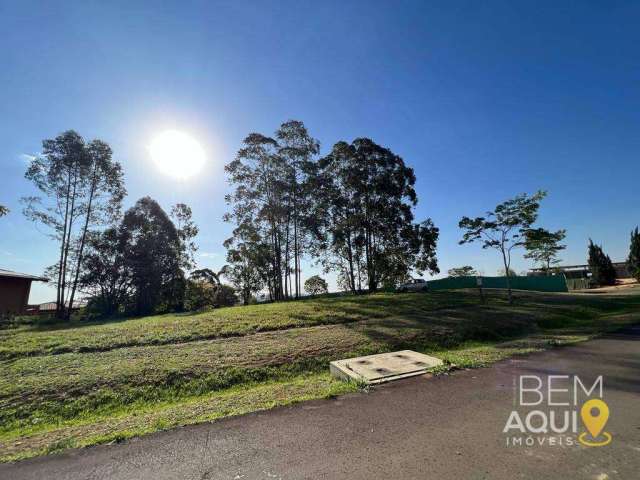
(26, 276)
(577, 267)
(48, 306)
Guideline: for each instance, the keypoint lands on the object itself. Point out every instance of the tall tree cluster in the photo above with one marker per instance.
(138, 265)
(602, 270)
(363, 218)
(633, 261)
(82, 188)
(351, 209)
(270, 207)
(132, 263)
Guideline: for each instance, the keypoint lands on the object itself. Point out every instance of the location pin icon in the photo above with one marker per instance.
(595, 414)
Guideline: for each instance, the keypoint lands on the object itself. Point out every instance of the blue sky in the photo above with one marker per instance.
(484, 100)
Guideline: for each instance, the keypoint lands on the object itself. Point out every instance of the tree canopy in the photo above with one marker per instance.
(82, 187)
(352, 210)
(316, 285)
(139, 265)
(465, 271)
(204, 289)
(106, 275)
(155, 253)
(544, 246)
(633, 261)
(602, 270)
(504, 228)
(270, 206)
(364, 223)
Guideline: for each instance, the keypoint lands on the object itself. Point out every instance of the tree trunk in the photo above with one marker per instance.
(296, 259)
(82, 241)
(371, 264)
(367, 254)
(287, 270)
(352, 280)
(68, 244)
(507, 273)
(299, 267)
(278, 272)
(59, 300)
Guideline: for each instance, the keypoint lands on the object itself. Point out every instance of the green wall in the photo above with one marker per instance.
(556, 283)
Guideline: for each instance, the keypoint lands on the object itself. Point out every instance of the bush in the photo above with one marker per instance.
(202, 294)
(316, 285)
(199, 294)
(225, 296)
(6, 320)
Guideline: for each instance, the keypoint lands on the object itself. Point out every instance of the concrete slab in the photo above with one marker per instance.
(383, 367)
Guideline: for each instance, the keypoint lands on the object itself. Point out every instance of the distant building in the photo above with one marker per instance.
(14, 290)
(50, 307)
(583, 271)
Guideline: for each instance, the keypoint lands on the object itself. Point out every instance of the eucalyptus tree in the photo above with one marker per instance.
(138, 265)
(82, 188)
(107, 275)
(544, 246)
(338, 239)
(154, 253)
(103, 193)
(365, 220)
(258, 203)
(249, 268)
(297, 150)
(182, 217)
(504, 228)
(272, 199)
(206, 275)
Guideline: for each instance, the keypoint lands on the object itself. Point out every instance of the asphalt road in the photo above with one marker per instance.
(448, 427)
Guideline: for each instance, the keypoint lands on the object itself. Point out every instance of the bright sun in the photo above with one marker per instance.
(177, 154)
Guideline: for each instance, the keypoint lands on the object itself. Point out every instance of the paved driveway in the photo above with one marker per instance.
(449, 427)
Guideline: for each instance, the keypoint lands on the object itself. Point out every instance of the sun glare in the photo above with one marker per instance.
(177, 154)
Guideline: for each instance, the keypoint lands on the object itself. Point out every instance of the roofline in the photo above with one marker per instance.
(25, 276)
(565, 267)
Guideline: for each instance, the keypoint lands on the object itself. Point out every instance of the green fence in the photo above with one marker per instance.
(452, 283)
(556, 283)
(578, 283)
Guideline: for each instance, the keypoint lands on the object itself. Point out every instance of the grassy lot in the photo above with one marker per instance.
(82, 384)
(219, 323)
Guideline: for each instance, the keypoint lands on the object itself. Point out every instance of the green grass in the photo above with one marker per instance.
(135, 420)
(219, 323)
(76, 385)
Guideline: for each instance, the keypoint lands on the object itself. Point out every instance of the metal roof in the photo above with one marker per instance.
(26, 276)
(47, 306)
(573, 267)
